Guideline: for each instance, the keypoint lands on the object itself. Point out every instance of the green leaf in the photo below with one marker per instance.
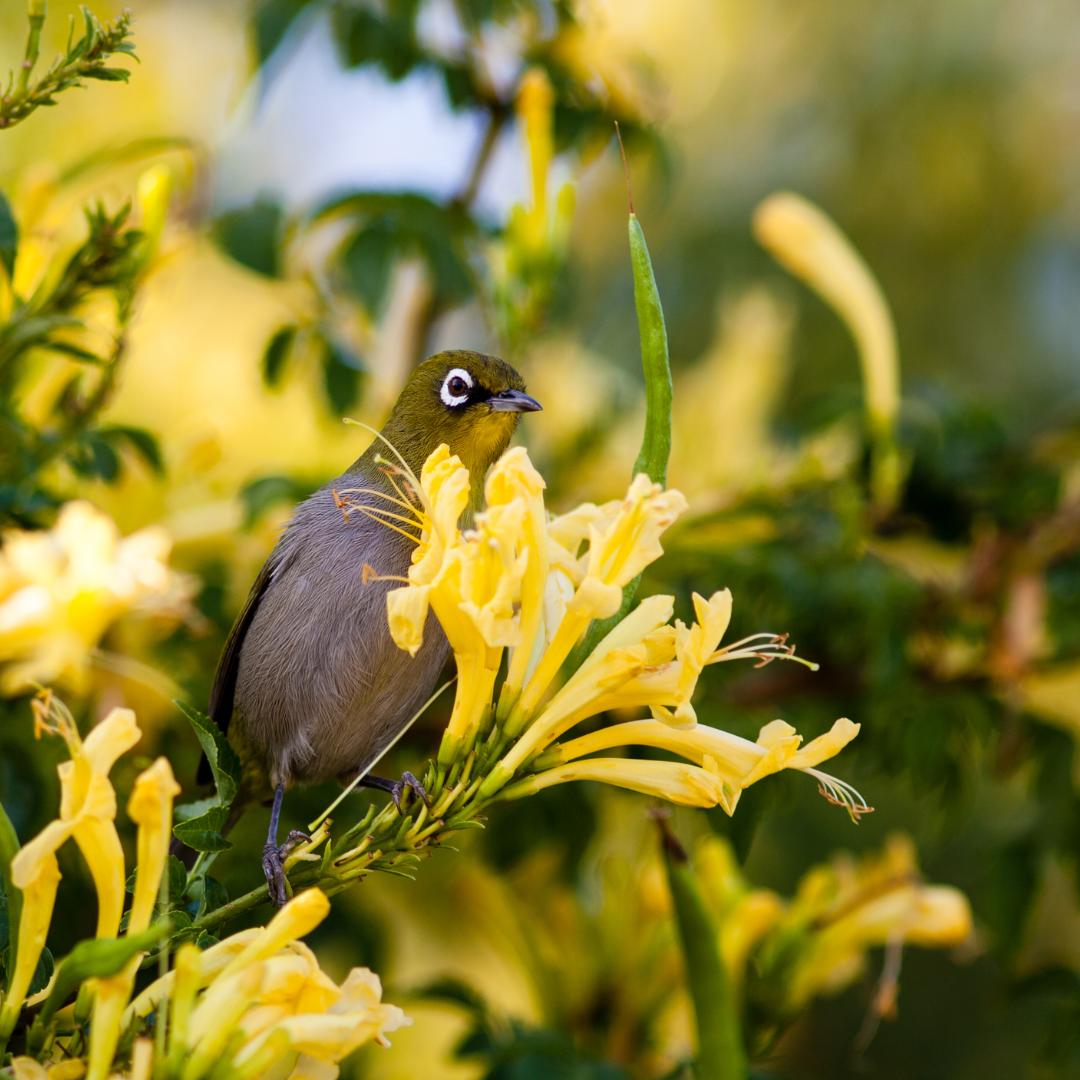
(721, 1055)
(204, 833)
(224, 763)
(9, 847)
(95, 458)
(367, 262)
(196, 809)
(140, 440)
(271, 22)
(277, 353)
(656, 444)
(9, 236)
(341, 379)
(93, 958)
(454, 992)
(214, 895)
(42, 973)
(258, 496)
(251, 235)
(205, 940)
(178, 877)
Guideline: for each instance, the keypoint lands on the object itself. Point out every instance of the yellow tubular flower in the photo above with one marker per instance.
(324, 1032)
(61, 589)
(298, 917)
(153, 193)
(150, 807)
(737, 761)
(474, 601)
(674, 781)
(208, 964)
(511, 478)
(856, 908)
(619, 657)
(693, 647)
(213, 1024)
(620, 547)
(534, 108)
(810, 245)
(87, 811)
(39, 897)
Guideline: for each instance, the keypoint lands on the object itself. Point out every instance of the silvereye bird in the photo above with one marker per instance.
(310, 686)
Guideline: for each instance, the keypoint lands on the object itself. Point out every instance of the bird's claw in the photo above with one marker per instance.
(273, 864)
(397, 789)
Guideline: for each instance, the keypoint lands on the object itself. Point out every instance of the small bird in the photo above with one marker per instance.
(310, 687)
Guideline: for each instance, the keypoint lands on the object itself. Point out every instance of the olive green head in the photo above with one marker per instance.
(468, 400)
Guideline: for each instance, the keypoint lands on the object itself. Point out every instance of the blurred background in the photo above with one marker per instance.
(357, 185)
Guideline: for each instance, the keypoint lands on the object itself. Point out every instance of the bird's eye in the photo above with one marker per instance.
(455, 388)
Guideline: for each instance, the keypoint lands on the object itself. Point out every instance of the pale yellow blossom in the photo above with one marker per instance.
(150, 807)
(61, 589)
(737, 761)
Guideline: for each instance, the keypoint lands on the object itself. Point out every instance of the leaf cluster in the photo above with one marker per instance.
(85, 58)
(49, 324)
(377, 229)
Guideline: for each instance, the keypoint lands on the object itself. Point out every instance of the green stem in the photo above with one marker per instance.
(656, 444)
(720, 1049)
(33, 47)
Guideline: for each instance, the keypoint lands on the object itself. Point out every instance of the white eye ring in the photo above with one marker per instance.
(450, 398)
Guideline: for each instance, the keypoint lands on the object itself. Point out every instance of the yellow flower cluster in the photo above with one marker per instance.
(253, 1004)
(61, 589)
(520, 581)
(258, 1004)
(817, 943)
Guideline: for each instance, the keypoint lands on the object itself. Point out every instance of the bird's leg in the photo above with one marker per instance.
(396, 787)
(273, 858)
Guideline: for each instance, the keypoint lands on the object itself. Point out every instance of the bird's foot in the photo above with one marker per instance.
(408, 781)
(397, 788)
(273, 864)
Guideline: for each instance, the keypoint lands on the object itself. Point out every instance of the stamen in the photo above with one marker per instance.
(373, 515)
(368, 574)
(774, 647)
(404, 464)
(840, 793)
(381, 495)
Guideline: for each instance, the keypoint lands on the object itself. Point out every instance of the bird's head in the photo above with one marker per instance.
(468, 400)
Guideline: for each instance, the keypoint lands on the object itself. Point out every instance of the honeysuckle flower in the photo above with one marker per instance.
(518, 580)
(854, 907)
(87, 814)
(266, 1004)
(810, 244)
(737, 761)
(817, 943)
(61, 589)
(621, 545)
(513, 479)
(150, 807)
(675, 781)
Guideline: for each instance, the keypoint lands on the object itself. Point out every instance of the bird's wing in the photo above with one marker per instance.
(224, 688)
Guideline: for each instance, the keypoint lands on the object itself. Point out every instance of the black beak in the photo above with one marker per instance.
(513, 401)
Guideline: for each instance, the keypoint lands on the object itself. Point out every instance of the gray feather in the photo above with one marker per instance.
(321, 689)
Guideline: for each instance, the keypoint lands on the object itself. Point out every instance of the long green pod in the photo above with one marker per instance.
(656, 444)
(655, 363)
(720, 1055)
